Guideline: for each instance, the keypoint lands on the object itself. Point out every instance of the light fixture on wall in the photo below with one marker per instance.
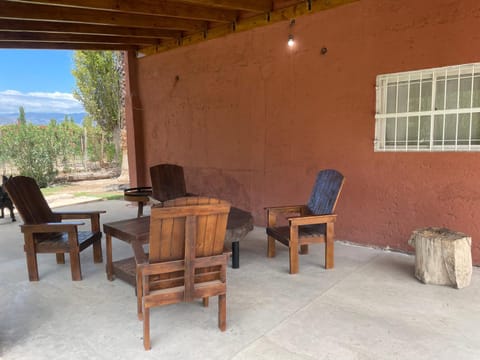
(291, 39)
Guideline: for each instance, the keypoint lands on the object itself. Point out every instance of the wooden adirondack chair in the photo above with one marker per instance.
(168, 182)
(311, 223)
(186, 257)
(44, 231)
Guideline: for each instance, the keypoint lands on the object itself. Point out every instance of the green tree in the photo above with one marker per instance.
(99, 84)
(21, 116)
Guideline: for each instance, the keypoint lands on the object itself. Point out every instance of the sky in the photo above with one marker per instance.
(38, 80)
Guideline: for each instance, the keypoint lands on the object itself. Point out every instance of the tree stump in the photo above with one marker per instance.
(442, 256)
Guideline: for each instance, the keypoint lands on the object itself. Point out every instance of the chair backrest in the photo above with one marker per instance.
(186, 229)
(168, 182)
(325, 192)
(29, 200)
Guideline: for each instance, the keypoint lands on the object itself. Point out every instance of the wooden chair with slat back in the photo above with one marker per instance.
(44, 231)
(311, 223)
(168, 182)
(186, 259)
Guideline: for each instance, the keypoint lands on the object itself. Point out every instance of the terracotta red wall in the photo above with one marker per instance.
(253, 121)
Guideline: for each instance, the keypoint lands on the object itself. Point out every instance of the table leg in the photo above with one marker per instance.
(235, 254)
(140, 209)
(109, 257)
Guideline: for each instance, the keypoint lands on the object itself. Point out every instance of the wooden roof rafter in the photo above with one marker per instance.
(147, 26)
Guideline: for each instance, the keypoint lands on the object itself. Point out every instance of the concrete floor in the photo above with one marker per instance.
(368, 307)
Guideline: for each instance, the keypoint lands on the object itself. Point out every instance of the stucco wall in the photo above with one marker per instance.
(252, 121)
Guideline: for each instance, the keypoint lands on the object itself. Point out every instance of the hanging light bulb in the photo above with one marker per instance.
(290, 41)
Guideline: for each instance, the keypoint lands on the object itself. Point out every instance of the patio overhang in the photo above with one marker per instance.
(143, 26)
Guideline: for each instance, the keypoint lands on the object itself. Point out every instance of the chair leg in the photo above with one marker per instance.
(293, 249)
(271, 222)
(222, 312)
(97, 251)
(303, 249)
(146, 328)
(32, 266)
(75, 265)
(205, 301)
(60, 258)
(271, 247)
(329, 247)
(139, 294)
(293, 257)
(31, 257)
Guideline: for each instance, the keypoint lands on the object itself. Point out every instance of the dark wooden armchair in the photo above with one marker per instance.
(308, 224)
(168, 182)
(44, 231)
(186, 259)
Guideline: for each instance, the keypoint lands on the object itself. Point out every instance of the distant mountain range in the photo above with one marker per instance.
(40, 118)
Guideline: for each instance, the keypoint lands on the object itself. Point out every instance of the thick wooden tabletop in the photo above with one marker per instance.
(239, 223)
(135, 229)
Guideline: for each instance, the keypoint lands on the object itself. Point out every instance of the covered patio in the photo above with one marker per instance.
(213, 86)
(369, 306)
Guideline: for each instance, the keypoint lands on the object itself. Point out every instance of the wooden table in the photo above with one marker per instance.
(139, 195)
(239, 224)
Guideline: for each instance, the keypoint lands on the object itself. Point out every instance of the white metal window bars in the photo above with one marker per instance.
(429, 110)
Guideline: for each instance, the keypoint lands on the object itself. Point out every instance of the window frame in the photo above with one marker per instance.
(438, 76)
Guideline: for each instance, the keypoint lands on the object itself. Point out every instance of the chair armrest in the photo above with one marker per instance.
(139, 253)
(285, 209)
(312, 219)
(51, 227)
(79, 214)
(93, 215)
(274, 211)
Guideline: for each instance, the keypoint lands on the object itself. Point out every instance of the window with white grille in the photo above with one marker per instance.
(429, 110)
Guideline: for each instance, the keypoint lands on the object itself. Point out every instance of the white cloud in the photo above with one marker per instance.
(42, 102)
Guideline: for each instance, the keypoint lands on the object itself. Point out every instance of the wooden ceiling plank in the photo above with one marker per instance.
(17, 10)
(74, 28)
(151, 7)
(284, 14)
(63, 46)
(246, 5)
(74, 38)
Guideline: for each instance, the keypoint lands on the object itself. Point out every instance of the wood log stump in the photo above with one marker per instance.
(442, 256)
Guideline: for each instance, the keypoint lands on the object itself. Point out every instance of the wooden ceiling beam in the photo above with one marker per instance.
(152, 7)
(17, 10)
(63, 46)
(246, 5)
(73, 28)
(282, 14)
(74, 38)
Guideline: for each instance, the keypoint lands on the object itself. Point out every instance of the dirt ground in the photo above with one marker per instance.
(85, 191)
(95, 186)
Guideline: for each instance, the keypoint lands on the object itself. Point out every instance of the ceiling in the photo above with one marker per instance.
(146, 26)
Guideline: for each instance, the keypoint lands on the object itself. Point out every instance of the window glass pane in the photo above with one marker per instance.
(463, 129)
(390, 132)
(440, 94)
(402, 97)
(452, 93)
(465, 92)
(413, 130)
(391, 98)
(476, 129)
(401, 132)
(424, 137)
(426, 103)
(476, 92)
(450, 129)
(438, 130)
(414, 96)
